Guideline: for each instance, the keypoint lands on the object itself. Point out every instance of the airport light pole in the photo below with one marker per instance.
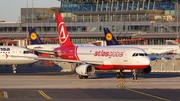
(109, 14)
(32, 14)
(177, 23)
(59, 6)
(27, 22)
(115, 17)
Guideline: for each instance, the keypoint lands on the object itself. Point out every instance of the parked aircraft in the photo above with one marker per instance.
(39, 46)
(150, 49)
(89, 58)
(9, 55)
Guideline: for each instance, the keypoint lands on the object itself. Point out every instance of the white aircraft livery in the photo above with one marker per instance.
(39, 46)
(150, 49)
(89, 58)
(9, 55)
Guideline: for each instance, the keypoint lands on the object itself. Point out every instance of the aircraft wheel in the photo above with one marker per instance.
(14, 71)
(81, 77)
(118, 75)
(134, 77)
(14, 68)
(85, 77)
(122, 75)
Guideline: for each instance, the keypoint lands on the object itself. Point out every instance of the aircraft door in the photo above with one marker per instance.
(125, 57)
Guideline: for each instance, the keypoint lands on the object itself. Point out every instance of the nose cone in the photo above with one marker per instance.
(146, 61)
(33, 59)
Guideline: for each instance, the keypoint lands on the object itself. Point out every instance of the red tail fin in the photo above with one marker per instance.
(64, 39)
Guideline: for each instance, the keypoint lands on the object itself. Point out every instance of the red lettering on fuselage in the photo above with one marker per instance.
(109, 54)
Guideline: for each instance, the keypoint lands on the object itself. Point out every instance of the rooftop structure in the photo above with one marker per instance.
(127, 19)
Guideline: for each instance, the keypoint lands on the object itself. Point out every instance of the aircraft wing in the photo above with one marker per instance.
(45, 51)
(99, 63)
(39, 49)
(167, 52)
(158, 57)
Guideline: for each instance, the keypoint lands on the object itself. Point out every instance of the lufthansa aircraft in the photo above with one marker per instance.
(38, 45)
(150, 49)
(14, 55)
(89, 58)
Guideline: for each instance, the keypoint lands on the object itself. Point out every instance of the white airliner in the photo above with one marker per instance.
(39, 46)
(9, 55)
(150, 49)
(89, 58)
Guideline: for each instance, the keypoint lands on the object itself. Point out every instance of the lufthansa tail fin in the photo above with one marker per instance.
(110, 39)
(64, 39)
(34, 37)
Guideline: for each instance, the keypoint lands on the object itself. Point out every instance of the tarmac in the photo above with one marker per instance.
(66, 86)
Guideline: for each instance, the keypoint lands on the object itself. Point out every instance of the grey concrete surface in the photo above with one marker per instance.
(102, 86)
(99, 80)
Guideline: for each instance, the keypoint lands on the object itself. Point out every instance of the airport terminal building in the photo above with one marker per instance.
(154, 20)
(138, 21)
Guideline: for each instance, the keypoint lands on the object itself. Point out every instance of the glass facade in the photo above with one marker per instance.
(120, 5)
(146, 16)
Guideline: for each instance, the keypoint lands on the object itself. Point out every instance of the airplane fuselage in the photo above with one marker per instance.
(112, 57)
(155, 49)
(47, 48)
(6, 53)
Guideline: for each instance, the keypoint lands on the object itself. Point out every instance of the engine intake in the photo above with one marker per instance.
(144, 71)
(85, 69)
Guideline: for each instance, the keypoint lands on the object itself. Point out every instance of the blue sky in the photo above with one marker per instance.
(10, 10)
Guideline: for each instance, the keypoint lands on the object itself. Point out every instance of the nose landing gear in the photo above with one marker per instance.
(83, 77)
(14, 68)
(134, 75)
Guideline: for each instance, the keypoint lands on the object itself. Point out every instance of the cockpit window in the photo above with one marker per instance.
(139, 54)
(145, 54)
(26, 52)
(134, 54)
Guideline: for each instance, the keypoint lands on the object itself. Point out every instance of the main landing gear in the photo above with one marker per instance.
(83, 77)
(134, 75)
(120, 74)
(14, 68)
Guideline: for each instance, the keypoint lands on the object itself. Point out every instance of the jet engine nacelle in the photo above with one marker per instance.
(85, 69)
(144, 71)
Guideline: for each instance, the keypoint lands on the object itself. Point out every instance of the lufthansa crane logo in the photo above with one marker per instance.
(33, 36)
(108, 36)
(62, 35)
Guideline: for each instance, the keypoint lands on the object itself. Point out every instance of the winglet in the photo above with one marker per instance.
(110, 39)
(64, 39)
(34, 37)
